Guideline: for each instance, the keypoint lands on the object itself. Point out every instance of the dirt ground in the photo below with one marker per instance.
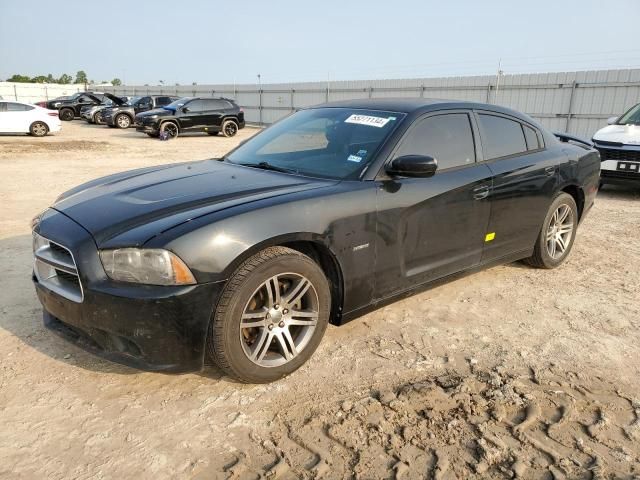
(509, 373)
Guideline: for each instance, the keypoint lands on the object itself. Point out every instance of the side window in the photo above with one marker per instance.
(214, 105)
(194, 106)
(18, 107)
(501, 136)
(448, 138)
(531, 137)
(162, 101)
(145, 102)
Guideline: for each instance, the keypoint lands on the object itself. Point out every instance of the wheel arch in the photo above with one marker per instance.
(578, 196)
(313, 246)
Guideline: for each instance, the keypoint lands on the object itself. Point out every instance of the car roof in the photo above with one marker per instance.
(410, 105)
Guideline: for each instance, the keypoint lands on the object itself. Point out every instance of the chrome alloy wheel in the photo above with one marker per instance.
(230, 129)
(560, 231)
(279, 320)
(39, 129)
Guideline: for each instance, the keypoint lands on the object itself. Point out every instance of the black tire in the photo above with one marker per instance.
(122, 121)
(229, 128)
(542, 257)
(225, 341)
(213, 134)
(38, 129)
(67, 114)
(97, 119)
(170, 129)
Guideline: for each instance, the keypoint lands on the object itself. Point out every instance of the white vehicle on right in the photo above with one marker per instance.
(619, 147)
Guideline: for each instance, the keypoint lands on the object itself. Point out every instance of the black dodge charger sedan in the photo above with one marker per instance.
(333, 211)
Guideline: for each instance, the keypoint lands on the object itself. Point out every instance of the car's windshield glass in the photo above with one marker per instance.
(132, 100)
(74, 96)
(333, 143)
(632, 117)
(177, 104)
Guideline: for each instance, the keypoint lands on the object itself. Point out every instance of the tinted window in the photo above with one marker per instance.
(18, 107)
(144, 102)
(162, 101)
(320, 142)
(215, 104)
(501, 136)
(194, 106)
(448, 138)
(85, 99)
(532, 138)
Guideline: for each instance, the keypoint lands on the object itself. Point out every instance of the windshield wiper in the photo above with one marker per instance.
(268, 166)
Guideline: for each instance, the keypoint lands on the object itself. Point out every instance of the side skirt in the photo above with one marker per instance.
(352, 315)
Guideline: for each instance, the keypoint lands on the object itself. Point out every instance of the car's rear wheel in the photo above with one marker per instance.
(229, 128)
(169, 129)
(123, 121)
(67, 114)
(271, 316)
(38, 129)
(557, 234)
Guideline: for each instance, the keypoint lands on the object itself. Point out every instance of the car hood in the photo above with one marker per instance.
(114, 99)
(627, 134)
(156, 111)
(129, 208)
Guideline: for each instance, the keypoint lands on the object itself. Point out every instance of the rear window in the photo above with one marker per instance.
(18, 107)
(501, 137)
(531, 137)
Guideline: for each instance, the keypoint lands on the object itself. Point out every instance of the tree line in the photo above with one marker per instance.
(65, 79)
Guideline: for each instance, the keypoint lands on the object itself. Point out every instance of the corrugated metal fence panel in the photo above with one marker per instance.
(579, 102)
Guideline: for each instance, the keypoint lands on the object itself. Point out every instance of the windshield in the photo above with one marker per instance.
(132, 101)
(632, 117)
(177, 104)
(335, 143)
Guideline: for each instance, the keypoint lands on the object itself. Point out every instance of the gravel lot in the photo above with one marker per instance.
(511, 372)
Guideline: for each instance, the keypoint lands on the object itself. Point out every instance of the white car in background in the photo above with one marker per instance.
(17, 117)
(619, 147)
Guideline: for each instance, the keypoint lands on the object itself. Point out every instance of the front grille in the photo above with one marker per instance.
(55, 268)
(619, 174)
(619, 154)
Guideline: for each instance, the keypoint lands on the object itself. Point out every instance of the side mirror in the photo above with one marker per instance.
(185, 110)
(413, 166)
(612, 120)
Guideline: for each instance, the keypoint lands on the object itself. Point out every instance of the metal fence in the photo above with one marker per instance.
(576, 102)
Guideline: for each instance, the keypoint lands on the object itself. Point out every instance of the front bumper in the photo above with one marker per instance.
(149, 327)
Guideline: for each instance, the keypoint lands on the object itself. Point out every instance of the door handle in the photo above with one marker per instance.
(481, 192)
(549, 171)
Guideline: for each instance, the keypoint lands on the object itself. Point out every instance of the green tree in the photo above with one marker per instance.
(65, 79)
(39, 79)
(19, 78)
(116, 82)
(50, 79)
(81, 77)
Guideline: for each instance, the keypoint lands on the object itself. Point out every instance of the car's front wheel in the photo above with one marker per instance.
(67, 114)
(123, 121)
(271, 316)
(169, 130)
(38, 129)
(97, 119)
(557, 233)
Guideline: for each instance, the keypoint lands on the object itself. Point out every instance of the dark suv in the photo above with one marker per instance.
(70, 108)
(192, 114)
(122, 116)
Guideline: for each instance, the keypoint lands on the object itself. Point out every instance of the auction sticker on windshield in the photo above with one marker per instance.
(369, 120)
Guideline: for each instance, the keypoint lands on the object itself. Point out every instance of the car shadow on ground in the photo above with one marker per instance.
(21, 316)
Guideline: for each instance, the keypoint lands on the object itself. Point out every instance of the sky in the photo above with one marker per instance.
(209, 42)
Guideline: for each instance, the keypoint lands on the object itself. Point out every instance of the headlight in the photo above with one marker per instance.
(150, 266)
